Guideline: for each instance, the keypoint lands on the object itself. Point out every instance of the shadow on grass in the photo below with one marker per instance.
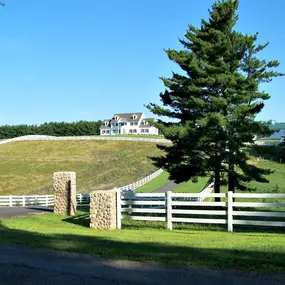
(226, 258)
(83, 219)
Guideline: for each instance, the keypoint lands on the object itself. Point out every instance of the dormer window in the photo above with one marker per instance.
(145, 122)
(134, 116)
(116, 118)
(106, 123)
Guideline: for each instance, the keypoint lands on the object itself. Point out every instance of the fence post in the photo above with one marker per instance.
(46, 200)
(168, 210)
(80, 198)
(24, 201)
(119, 213)
(36, 200)
(10, 201)
(230, 211)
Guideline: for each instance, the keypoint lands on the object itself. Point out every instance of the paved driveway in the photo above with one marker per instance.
(170, 186)
(11, 212)
(25, 266)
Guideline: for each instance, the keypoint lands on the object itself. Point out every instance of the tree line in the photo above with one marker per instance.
(79, 128)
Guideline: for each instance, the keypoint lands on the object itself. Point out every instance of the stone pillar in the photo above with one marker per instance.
(64, 187)
(103, 211)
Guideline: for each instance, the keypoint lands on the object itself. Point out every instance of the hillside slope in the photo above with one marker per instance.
(27, 167)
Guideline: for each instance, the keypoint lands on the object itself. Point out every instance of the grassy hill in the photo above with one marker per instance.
(27, 167)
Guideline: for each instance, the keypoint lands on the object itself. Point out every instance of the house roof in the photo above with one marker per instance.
(277, 126)
(127, 117)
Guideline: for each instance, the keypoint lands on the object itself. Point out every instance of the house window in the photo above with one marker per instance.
(114, 124)
(134, 131)
(103, 132)
(135, 123)
(142, 131)
(107, 132)
(131, 123)
(115, 131)
(146, 130)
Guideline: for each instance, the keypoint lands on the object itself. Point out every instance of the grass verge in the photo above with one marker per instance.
(143, 241)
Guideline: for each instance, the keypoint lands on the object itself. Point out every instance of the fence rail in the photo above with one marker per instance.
(177, 208)
(72, 138)
(36, 200)
(139, 183)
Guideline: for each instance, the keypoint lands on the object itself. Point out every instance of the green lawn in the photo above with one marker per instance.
(27, 167)
(154, 184)
(191, 187)
(268, 140)
(143, 241)
(163, 179)
(276, 180)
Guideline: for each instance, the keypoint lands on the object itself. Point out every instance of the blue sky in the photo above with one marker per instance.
(85, 60)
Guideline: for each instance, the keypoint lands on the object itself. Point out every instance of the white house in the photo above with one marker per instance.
(278, 128)
(128, 123)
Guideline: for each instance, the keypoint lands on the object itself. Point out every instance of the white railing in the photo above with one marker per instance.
(72, 138)
(180, 208)
(139, 183)
(26, 200)
(36, 200)
(205, 192)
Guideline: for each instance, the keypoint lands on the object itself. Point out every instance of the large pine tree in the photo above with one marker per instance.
(213, 102)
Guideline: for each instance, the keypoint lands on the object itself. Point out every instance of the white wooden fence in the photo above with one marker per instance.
(36, 200)
(139, 183)
(180, 208)
(72, 138)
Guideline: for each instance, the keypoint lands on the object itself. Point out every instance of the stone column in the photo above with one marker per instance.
(103, 212)
(64, 187)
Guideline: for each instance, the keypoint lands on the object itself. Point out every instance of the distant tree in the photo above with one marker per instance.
(212, 104)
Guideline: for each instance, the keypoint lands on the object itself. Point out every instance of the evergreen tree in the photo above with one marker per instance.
(213, 103)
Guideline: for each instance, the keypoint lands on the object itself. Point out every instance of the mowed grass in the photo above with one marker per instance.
(154, 184)
(276, 179)
(27, 167)
(163, 179)
(193, 187)
(150, 241)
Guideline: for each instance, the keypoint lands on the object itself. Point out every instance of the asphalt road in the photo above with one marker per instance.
(23, 266)
(170, 186)
(12, 212)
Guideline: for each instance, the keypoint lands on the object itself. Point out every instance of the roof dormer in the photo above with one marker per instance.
(134, 116)
(106, 123)
(145, 122)
(116, 117)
